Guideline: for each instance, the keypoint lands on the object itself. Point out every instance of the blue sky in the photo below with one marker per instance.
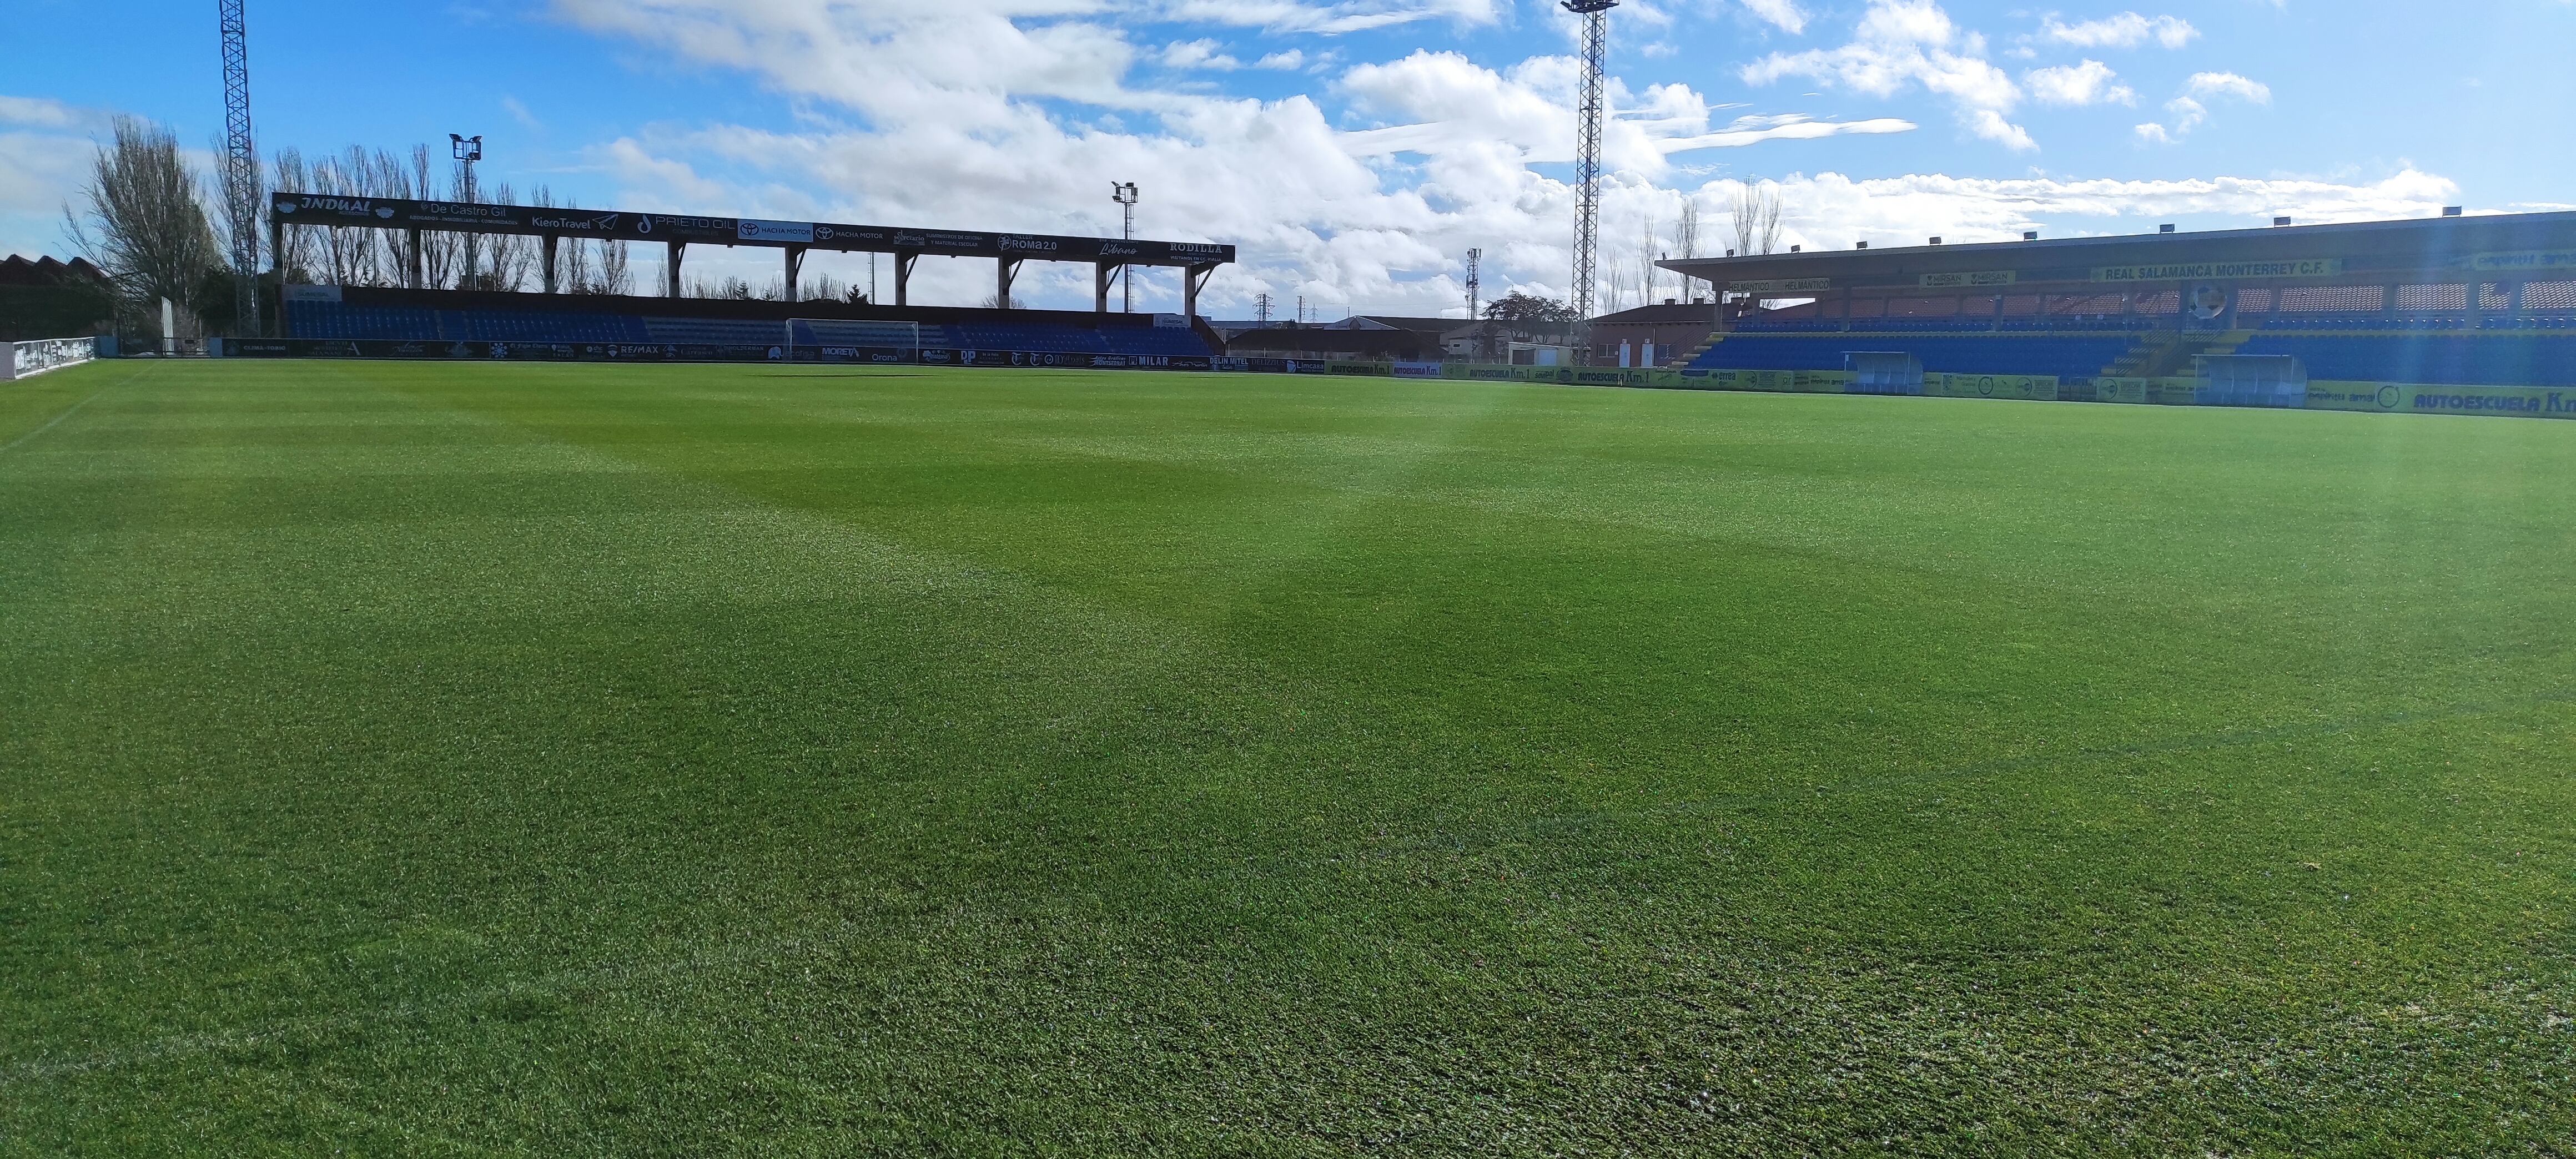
(1357, 148)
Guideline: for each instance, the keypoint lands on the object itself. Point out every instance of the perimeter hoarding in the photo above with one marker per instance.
(620, 225)
(447, 351)
(2373, 397)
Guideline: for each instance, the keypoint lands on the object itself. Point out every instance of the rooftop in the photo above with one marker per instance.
(2512, 244)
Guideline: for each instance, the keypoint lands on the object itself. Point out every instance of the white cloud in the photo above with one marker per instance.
(960, 59)
(1789, 127)
(45, 113)
(1453, 105)
(2191, 110)
(2126, 30)
(1831, 211)
(1200, 54)
(1327, 19)
(2228, 84)
(2089, 83)
(45, 151)
(1289, 61)
(1784, 13)
(1903, 43)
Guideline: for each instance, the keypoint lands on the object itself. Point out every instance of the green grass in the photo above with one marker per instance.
(407, 759)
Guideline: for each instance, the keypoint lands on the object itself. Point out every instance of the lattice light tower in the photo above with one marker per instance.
(1125, 194)
(242, 192)
(1587, 154)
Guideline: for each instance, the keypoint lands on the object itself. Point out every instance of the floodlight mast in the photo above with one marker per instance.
(1125, 194)
(242, 193)
(1587, 159)
(1475, 291)
(467, 151)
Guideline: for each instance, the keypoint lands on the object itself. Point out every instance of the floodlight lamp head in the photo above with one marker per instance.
(466, 148)
(1123, 192)
(1588, 7)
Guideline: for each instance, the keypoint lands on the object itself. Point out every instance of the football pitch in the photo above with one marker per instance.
(513, 759)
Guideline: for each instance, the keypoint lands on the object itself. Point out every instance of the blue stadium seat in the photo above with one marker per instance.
(338, 321)
(2467, 358)
(2060, 355)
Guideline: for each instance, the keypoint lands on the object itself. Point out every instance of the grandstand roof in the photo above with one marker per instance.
(310, 209)
(45, 271)
(1662, 314)
(2505, 247)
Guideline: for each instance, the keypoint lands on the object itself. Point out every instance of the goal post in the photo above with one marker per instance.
(28, 359)
(822, 337)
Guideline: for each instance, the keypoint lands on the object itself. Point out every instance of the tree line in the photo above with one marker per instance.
(143, 217)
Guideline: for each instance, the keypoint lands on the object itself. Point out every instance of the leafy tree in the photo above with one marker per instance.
(1519, 307)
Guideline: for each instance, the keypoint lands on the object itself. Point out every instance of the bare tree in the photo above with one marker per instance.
(350, 256)
(1650, 277)
(145, 222)
(232, 225)
(1757, 220)
(614, 278)
(295, 257)
(1686, 237)
(511, 258)
(392, 178)
(440, 250)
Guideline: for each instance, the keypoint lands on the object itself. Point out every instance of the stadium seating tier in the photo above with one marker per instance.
(336, 321)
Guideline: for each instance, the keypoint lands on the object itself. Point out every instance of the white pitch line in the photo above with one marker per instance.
(22, 440)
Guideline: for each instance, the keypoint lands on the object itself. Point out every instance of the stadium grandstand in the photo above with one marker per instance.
(414, 321)
(46, 298)
(2486, 301)
(320, 318)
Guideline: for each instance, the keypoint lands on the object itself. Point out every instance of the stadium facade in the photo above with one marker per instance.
(2452, 315)
(2462, 313)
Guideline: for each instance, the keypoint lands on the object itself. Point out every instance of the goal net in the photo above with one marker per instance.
(23, 359)
(841, 340)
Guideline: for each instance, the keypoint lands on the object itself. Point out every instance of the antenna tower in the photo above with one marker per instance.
(1261, 304)
(242, 193)
(1475, 289)
(1587, 158)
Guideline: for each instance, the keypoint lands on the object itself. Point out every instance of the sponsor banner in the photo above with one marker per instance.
(37, 355)
(1970, 281)
(2406, 398)
(471, 217)
(750, 229)
(2025, 387)
(312, 293)
(1416, 369)
(2223, 271)
(2528, 261)
(1782, 286)
(2134, 391)
(690, 352)
(1787, 381)
(1272, 365)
